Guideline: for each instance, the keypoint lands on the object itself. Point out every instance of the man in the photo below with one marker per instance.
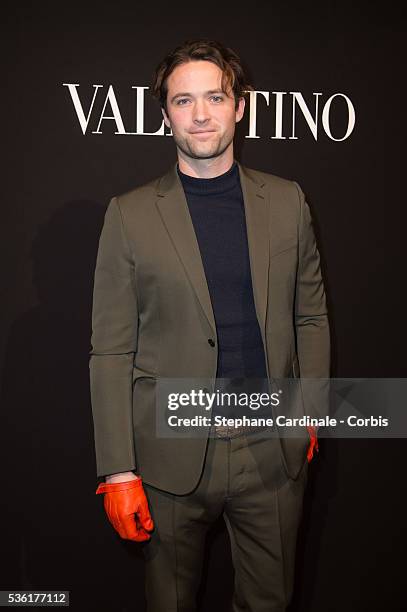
(210, 271)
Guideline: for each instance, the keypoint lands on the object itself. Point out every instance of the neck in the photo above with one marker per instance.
(206, 168)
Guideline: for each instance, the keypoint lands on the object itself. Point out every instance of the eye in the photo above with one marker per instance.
(181, 100)
(218, 98)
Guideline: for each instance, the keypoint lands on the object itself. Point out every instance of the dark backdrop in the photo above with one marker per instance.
(57, 184)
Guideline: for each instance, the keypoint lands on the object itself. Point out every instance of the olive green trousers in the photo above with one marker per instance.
(243, 480)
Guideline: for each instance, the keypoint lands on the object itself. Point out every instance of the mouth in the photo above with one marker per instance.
(203, 132)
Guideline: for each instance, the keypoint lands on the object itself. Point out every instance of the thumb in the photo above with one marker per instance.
(145, 516)
(132, 532)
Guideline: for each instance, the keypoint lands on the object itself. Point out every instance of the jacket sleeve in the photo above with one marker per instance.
(311, 318)
(113, 345)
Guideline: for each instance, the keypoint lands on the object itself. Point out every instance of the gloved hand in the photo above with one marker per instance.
(127, 509)
(313, 442)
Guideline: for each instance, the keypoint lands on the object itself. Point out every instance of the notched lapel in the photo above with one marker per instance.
(255, 197)
(173, 208)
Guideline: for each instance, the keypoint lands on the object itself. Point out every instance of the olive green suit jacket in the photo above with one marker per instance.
(152, 317)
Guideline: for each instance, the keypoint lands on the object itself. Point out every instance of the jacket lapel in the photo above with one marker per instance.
(258, 236)
(173, 208)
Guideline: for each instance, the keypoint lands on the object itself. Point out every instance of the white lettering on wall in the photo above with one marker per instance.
(312, 122)
(351, 117)
(312, 117)
(83, 121)
(140, 115)
(278, 134)
(111, 98)
(253, 111)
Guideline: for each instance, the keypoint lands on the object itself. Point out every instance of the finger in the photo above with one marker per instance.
(111, 512)
(144, 517)
(128, 530)
(132, 531)
(114, 517)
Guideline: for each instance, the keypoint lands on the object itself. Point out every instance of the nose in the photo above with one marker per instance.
(200, 113)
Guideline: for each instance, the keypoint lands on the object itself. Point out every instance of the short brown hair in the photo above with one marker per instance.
(202, 49)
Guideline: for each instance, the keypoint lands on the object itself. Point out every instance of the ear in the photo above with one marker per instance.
(240, 109)
(166, 120)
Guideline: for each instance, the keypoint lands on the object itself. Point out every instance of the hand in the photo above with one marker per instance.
(313, 442)
(127, 509)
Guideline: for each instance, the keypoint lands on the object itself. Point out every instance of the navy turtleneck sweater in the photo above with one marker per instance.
(217, 211)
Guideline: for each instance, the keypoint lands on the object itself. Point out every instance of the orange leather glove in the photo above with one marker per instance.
(127, 509)
(313, 442)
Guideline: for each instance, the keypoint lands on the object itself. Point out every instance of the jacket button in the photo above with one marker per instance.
(211, 342)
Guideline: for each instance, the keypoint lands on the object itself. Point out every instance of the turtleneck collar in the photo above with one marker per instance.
(216, 185)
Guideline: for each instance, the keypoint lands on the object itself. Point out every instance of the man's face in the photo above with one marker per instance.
(201, 116)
